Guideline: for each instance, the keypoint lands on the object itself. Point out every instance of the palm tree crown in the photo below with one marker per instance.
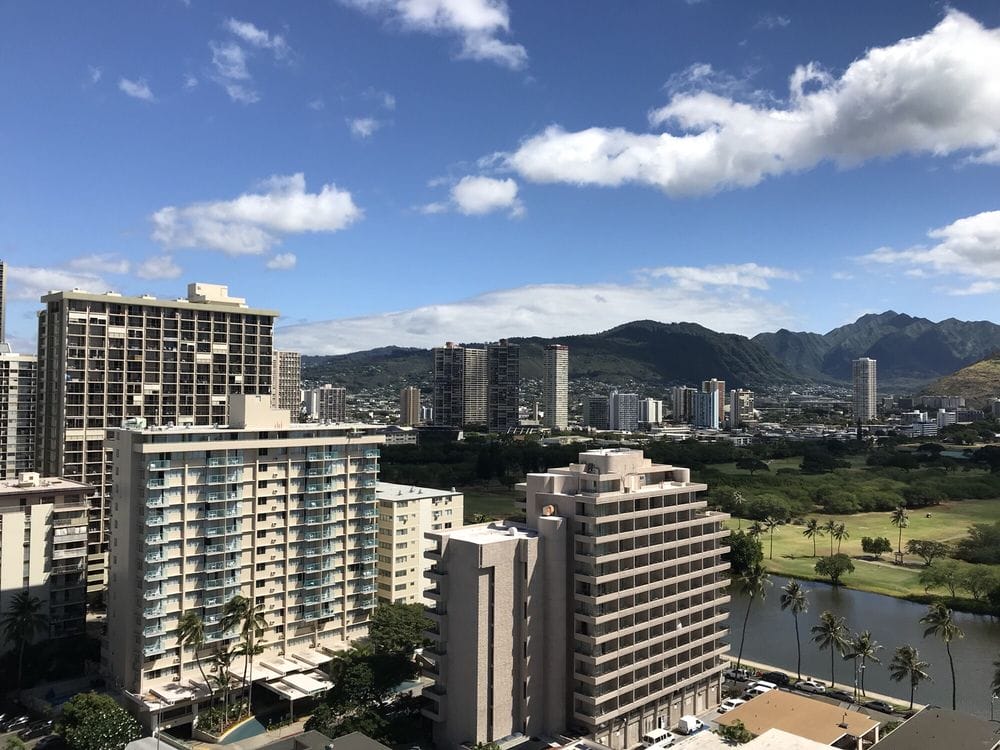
(900, 520)
(811, 531)
(906, 665)
(771, 523)
(939, 622)
(830, 527)
(831, 633)
(862, 646)
(22, 623)
(793, 597)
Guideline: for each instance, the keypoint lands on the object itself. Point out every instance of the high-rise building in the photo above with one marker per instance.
(623, 411)
(682, 402)
(409, 406)
(503, 364)
(582, 616)
(327, 403)
(865, 389)
(460, 386)
(650, 411)
(282, 514)
(3, 301)
(718, 387)
(286, 383)
(740, 407)
(556, 386)
(105, 358)
(405, 515)
(43, 548)
(596, 412)
(18, 391)
(706, 410)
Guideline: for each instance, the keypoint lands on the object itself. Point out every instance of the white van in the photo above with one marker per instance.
(690, 725)
(655, 739)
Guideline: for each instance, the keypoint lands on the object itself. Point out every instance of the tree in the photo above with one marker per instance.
(900, 520)
(840, 534)
(863, 646)
(906, 665)
(735, 733)
(738, 501)
(979, 580)
(753, 583)
(831, 633)
(834, 567)
(745, 552)
(398, 629)
(830, 528)
(91, 721)
(191, 632)
(752, 465)
(755, 529)
(771, 523)
(222, 660)
(15, 743)
(947, 574)
(875, 545)
(793, 597)
(927, 550)
(939, 622)
(22, 623)
(811, 531)
(981, 545)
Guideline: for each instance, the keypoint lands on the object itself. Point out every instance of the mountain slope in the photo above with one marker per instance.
(979, 382)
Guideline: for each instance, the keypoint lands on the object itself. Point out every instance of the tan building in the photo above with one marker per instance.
(18, 392)
(409, 406)
(863, 371)
(556, 386)
(43, 547)
(620, 609)
(327, 403)
(718, 387)
(286, 383)
(283, 514)
(741, 408)
(406, 514)
(103, 358)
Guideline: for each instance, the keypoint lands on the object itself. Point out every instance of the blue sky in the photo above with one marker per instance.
(411, 171)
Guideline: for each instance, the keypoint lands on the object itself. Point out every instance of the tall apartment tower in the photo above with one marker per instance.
(706, 411)
(104, 358)
(596, 412)
(718, 387)
(18, 392)
(556, 386)
(623, 411)
(327, 403)
(651, 411)
(282, 514)
(606, 610)
(43, 548)
(503, 363)
(865, 389)
(3, 301)
(682, 398)
(409, 406)
(460, 386)
(286, 382)
(740, 407)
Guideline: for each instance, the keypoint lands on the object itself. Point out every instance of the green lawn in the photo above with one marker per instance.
(947, 523)
(795, 462)
(495, 503)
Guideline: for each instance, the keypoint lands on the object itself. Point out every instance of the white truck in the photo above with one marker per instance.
(657, 739)
(690, 725)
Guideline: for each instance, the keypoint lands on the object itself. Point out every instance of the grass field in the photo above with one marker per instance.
(946, 523)
(774, 464)
(495, 503)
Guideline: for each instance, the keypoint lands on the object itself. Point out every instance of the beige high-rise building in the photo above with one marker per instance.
(865, 389)
(605, 611)
(718, 387)
(740, 407)
(104, 358)
(282, 514)
(18, 393)
(556, 386)
(406, 514)
(3, 301)
(43, 547)
(327, 403)
(286, 383)
(409, 406)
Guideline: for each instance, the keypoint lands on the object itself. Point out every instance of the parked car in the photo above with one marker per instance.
(729, 704)
(51, 742)
(753, 692)
(810, 686)
(778, 678)
(840, 695)
(762, 683)
(655, 739)
(36, 729)
(877, 705)
(690, 725)
(740, 675)
(15, 724)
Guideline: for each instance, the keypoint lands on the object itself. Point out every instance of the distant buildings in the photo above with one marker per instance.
(718, 387)
(683, 403)
(409, 406)
(460, 386)
(865, 389)
(18, 389)
(286, 383)
(741, 407)
(650, 411)
(596, 412)
(3, 301)
(705, 412)
(327, 403)
(623, 411)
(556, 386)
(503, 363)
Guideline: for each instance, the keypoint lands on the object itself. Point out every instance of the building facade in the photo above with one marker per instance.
(556, 386)
(503, 402)
(682, 402)
(3, 301)
(409, 406)
(651, 411)
(863, 371)
(460, 386)
(623, 411)
(706, 411)
(282, 514)
(18, 393)
(406, 514)
(104, 358)
(596, 412)
(718, 387)
(286, 383)
(741, 407)
(43, 548)
(327, 403)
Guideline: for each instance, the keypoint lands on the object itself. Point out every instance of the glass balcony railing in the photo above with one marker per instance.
(156, 611)
(150, 630)
(157, 520)
(370, 453)
(152, 649)
(155, 501)
(158, 465)
(216, 461)
(153, 594)
(156, 483)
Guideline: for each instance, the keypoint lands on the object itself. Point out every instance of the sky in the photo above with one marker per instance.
(406, 172)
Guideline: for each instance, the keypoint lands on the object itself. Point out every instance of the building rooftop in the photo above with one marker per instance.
(313, 740)
(201, 296)
(399, 493)
(805, 717)
(935, 728)
(32, 482)
(772, 739)
(496, 531)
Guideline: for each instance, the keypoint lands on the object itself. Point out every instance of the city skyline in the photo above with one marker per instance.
(791, 226)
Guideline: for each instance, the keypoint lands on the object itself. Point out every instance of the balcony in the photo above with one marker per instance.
(156, 611)
(153, 594)
(156, 483)
(158, 465)
(155, 501)
(155, 556)
(151, 630)
(157, 520)
(370, 453)
(152, 649)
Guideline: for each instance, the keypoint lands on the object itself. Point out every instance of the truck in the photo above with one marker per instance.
(690, 725)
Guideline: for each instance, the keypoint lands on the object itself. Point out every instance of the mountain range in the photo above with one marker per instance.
(911, 353)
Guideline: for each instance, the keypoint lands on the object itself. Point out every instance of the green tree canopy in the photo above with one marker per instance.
(927, 550)
(91, 721)
(834, 567)
(745, 552)
(398, 628)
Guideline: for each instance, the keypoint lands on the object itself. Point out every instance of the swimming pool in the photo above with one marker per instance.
(246, 730)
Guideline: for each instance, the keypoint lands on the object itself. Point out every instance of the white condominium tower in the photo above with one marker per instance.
(556, 386)
(3, 301)
(103, 358)
(327, 403)
(865, 389)
(18, 393)
(718, 387)
(282, 514)
(623, 411)
(286, 377)
(740, 407)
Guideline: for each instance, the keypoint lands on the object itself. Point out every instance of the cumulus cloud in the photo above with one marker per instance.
(230, 58)
(933, 94)
(282, 262)
(363, 127)
(136, 89)
(478, 23)
(258, 37)
(31, 282)
(316, 104)
(742, 275)
(100, 263)
(190, 81)
(254, 222)
(94, 73)
(158, 267)
(967, 249)
(538, 310)
(475, 196)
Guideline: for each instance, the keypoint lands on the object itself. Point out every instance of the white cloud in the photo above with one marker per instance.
(282, 262)
(242, 94)
(230, 61)
(363, 127)
(438, 207)
(316, 104)
(474, 196)
(968, 247)
(258, 37)
(538, 310)
(190, 81)
(158, 267)
(773, 21)
(31, 282)
(136, 89)
(254, 222)
(743, 275)
(100, 263)
(841, 276)
(934, 94)
(94, 72)
(478, 23)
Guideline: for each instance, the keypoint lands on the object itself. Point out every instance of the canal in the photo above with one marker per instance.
(893, 622)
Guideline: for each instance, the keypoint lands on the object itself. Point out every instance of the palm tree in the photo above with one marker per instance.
(753, 583)
(233, 616)
(906, 665)
(22, 623)
(939, 622)
(900, 520)
(831, 633)
(738, 501)
(222, 660)
(771, 523)
(191, 632)
(811, 531)
(863, 646)
(793, 597)
(840, 534)
(253, 627)
(830, 527)
(755, 529)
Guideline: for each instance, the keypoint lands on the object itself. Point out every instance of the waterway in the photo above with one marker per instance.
(771, 639)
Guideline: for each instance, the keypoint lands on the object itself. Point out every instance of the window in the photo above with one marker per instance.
(401, 587)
